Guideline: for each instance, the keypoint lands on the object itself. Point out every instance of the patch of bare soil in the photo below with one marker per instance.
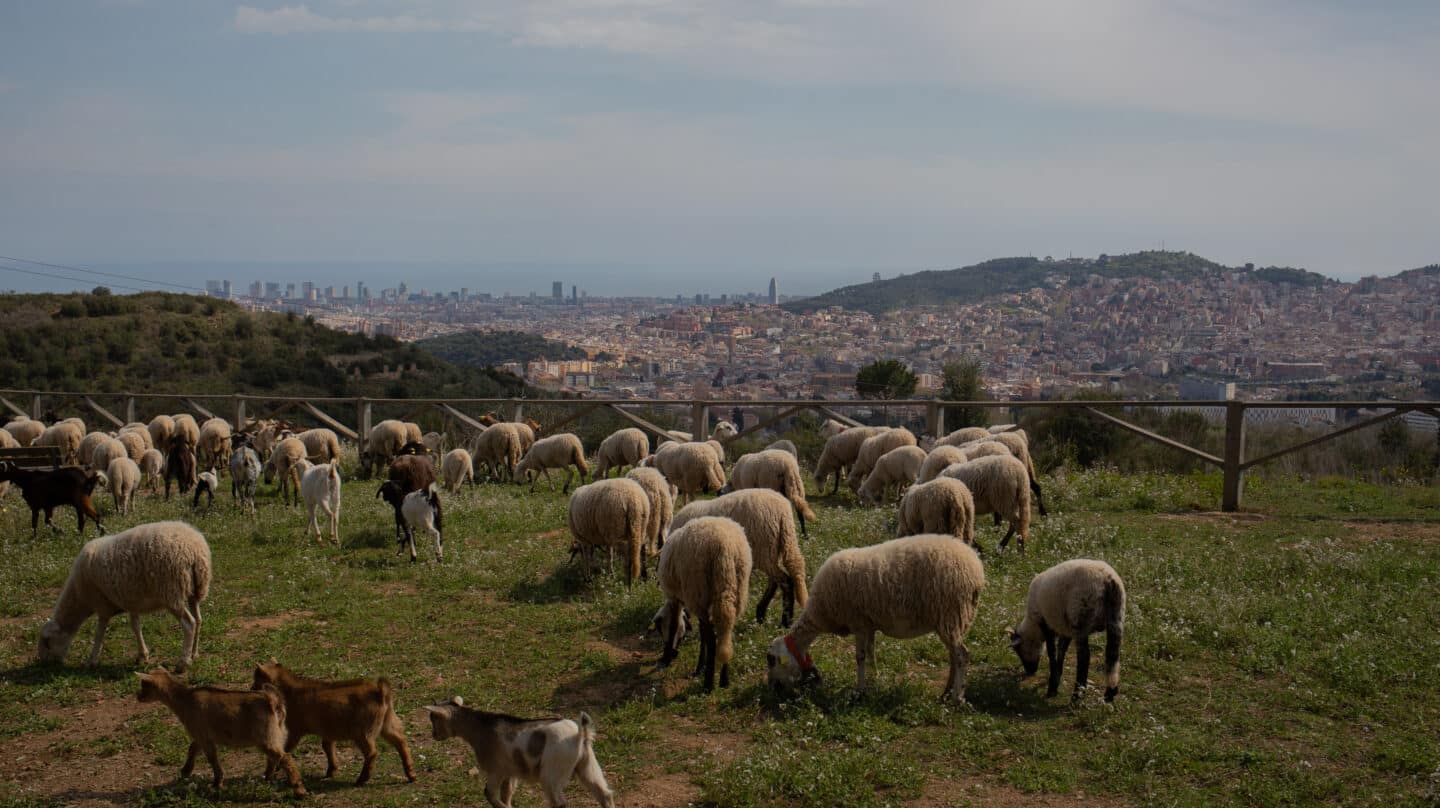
(254, 625)
(1369, 532)
(985, 791)
(1212, 517)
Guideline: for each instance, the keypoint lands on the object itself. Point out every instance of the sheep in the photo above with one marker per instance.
(24, 430)
(871, 451)
(769, 524)
(1073, 600)
(161, 427)
(65, 437)
(214, 446)
(7, 441)
(103, 451)
(320, 488)
(215, 717)
(999, 429)
(938, 459)
(998, 485)
(777, 471)
(135, 445)
(499, 447)
(412, 432)
(786, 446)
(897, 467)
(384, 440)
(434, 441)
(723, 429)
(122, 477)
(284, 462)
(78, 423)
(692, 468)
(206, 482)
(422, 509)
(455, 468)
(662, 506)
(152, 465)
(525, 432)
(612, 513)
(718, 448)
(942, 505)
(48, 490)
(87, 447)
(985, 448)
(968, 434)
(321, 445)
(187, 429)
(547, 751)
(903, 588)
(705, 570)
(356, 710)
(625, 447)
(840, 452)
(1019, 445)
(831, 428)
(554, 452)
(244, 475)
(148, 568)
(179, 465)
(267, 435)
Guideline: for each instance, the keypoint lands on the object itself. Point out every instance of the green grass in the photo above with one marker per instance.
(1285, 656)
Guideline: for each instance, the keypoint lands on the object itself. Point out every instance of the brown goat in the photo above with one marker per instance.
(48, 490)
(180, 465)
(356, 710)
(215, 717)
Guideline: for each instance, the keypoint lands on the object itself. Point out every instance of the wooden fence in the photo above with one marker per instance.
(329, 412)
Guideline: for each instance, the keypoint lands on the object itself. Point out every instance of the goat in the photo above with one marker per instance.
(48, 490)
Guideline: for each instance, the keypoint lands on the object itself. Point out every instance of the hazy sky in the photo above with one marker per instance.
(707, 145)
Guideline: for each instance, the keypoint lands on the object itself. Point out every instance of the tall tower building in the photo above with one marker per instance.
(774, 293)
(557, 291)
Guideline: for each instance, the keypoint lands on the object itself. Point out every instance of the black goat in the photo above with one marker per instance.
(179, 466)
(48, 490)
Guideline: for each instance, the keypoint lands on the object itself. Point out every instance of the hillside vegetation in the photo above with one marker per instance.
(160, 342)
(494, 348)
(1014, 275)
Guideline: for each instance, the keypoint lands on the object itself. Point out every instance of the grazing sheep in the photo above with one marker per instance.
(122, 477)
(903, 588)
(24, 430)
(78, 423)
(321, 445)
(897, 467)
(692, 468)
(786, 446)
(705, 570)
(769, 524)
(998, 485)
(356, 710)
(942, 505)
(554, 452)
(179, 465)
(831, 428)
(244, 475)
(985, 448)
(938, 459)
(383, 442)
(206, 482)
(777, 471)
(7, 441)
(547, 751)
(662, 506)
(135, 445)
(267, 435)
(103, 451)
(161, 427)
(412, 432)
(456, 468)
(998, 429)
(152, 465)
(422, 509)
(187, 429)
(525, 432)
(87, 447)
(284, 463)
(320, 488)
(964, 435)
(499, 448)
(612, 514)
(214, 448)
(65, 437)
(840, 452)
(148, 568)
(215, 717)
(872, 450)
(48, 490)
(1073, 600)
(434, 441)
(625, 447)
(1019, 445)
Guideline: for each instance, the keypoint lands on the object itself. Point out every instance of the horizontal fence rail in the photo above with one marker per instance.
(249, 407)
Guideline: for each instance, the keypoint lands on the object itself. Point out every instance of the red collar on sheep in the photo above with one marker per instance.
(801, 658)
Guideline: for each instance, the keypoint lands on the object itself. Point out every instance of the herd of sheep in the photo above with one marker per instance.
(926, 581)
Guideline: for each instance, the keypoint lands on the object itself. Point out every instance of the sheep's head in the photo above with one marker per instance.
(54, 642)
(1029, 652)
(672, 622)
(441, 715)
(787, 666)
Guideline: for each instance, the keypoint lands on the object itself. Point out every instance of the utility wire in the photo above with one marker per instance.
(103, 274)
(4, 268)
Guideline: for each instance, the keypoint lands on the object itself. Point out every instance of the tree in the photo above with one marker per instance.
(1394, 438)
(888, 379)
(964, 381)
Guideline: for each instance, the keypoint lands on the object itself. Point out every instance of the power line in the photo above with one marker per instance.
(102, 274)
(4, 268)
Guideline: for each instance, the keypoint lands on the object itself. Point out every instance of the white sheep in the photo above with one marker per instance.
(422, 509)
(624, 447)
(245, 472)
(320, 488)
(161, 427)
(321, 445)
(187, 429)
(104, 451)
(831, 428)
(938, 459)
(1019, 445)
(1071, 601)
(122, 477)
(612, 514)
(968, 434)
(705, 570)
(872, 450)
(662, 505)
(24, 430)
(903, 588)
(152, 466)
(769, 524)
(456, 468)
(499, 448)
(1000, 486)
(787, 446)
(413, 433)
(214, 447)
(692, 468)
(285, 462)
(66, 437)
(135, 446)
(383, 442)
(897, 467)
(559, 451)
(87, 447)
(161, 566)
(776, 470)
(942, 505)
(840, 452)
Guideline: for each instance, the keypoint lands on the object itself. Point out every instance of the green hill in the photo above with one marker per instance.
(1013, 275)
(494, 348)
(159, 342)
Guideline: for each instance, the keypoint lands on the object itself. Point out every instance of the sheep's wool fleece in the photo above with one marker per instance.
(707, 564)
(1069, 597)
(146, 568)
(902, 587)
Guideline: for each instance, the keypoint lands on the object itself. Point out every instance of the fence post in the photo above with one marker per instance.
(699, 420)
(362, 419)
(1234, 482)
(239, 413)
(36, 406)
(517, 411)
(935, 419)
(130, 410)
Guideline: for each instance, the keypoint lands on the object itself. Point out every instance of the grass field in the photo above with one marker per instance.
(1287, 655)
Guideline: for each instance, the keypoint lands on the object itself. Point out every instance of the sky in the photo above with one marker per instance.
(664, 146)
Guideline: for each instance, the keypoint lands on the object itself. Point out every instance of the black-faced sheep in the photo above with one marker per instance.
(998, 485)
(1073, 600)
(769, 523)
(705, 570)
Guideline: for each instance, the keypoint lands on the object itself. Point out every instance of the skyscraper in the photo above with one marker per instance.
(774, 293)
(557, 291)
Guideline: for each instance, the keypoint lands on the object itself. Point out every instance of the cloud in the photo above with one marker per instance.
(301, 20)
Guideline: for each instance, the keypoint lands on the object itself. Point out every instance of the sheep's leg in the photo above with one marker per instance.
(864, 651)
(1082, 666)
(1113, 633)
(1039, 500)
(705, 629)
(1056, 664)
(803, 534)
(189, 766)
(787, 593)
(101, 621)
(142, 654)
(565, 489)
(335, 526)
(764, 605)
(707, 644)
(410, 539)
(1008, 533)
(366, 745)
(959, 668)
(394, 734)
(190, 627)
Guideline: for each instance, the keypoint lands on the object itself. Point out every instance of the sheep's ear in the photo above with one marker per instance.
(457, 701)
